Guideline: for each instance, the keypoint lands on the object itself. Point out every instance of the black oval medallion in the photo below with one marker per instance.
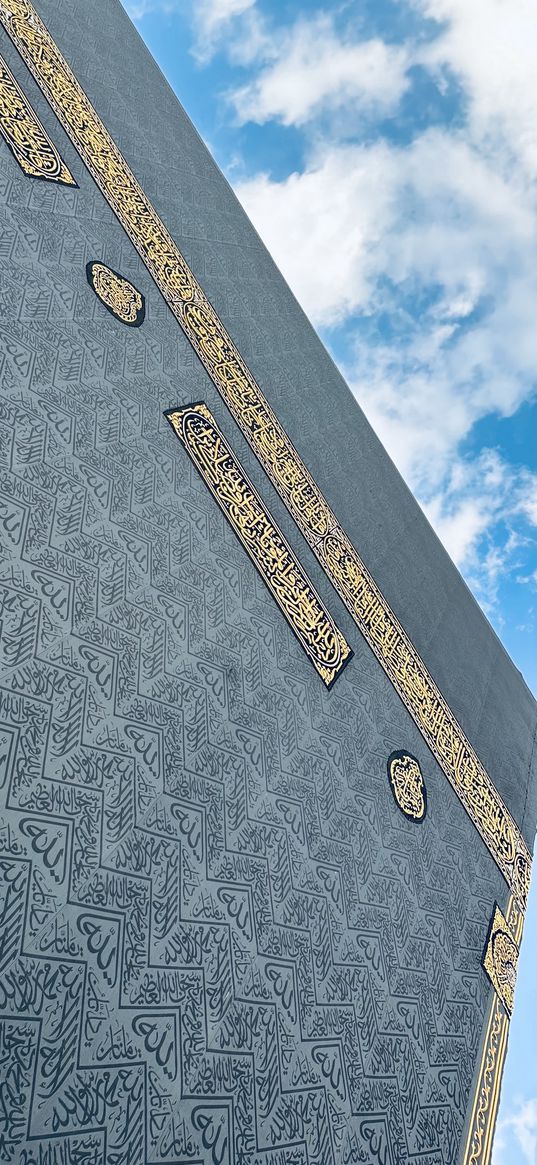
(407, 785)
(119, 297)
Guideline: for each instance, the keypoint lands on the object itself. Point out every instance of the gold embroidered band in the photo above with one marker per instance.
(280, 570)
(482, 1122)
(119, 296)
(270, 442)
(27, 139)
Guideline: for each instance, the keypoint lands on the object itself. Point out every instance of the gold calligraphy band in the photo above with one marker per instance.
(271, 444)
(484, 1110)
(27, 139)
(263, 541)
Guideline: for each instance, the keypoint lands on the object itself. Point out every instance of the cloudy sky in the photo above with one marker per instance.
(386, 151)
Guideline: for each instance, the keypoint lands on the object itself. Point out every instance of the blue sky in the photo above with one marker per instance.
(386, 151)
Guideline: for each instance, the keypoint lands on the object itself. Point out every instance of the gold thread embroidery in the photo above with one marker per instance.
(407, 785)
(280, 570)
(123, 300)
(482, 1122)
(270, 442)
(501, 958)
(27, 139)
(485, 1109)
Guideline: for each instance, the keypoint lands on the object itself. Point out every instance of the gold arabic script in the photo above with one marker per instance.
(280, 570)
(26, 137)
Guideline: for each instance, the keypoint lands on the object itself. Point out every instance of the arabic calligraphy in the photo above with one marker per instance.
(26, 137)
(266, 546)
(119, 296)
(270, 442)
(407, 785)
(500, 959)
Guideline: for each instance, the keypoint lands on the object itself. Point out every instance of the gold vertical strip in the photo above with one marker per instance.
(271, 444)
(263, 541)
(26, 137)
(484, 1112)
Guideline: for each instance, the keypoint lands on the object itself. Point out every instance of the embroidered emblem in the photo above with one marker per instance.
(501, 958)
(407, 785)
(26, 137)
(119, 296)
(265, 544)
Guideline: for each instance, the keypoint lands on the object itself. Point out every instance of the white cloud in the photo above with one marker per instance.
(447, 222)
(312, 69)
(523, 1125)
(213, 21)
(475, 497)
(428, 245)
(529, 502)
(140, 8)
(322, 226)
(212, 15)
(369, 229)
(460, 521)
(492, 47)
(360, 216)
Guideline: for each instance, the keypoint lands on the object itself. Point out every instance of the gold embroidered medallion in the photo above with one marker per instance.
(501, 958)
(407, 785)
(26, 137)
(119, 296)
(265, 544)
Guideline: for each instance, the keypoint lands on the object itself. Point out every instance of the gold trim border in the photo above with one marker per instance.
(480, 1140)
(482, 1123)
(271, 444)
(323, 642)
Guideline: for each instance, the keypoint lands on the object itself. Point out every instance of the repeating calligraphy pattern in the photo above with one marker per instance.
(271, 444)
(220, 941)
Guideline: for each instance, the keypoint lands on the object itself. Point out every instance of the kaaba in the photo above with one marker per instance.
(268, 783)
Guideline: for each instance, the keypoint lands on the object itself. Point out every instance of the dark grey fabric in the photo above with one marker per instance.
(221, 942)
(463, 654)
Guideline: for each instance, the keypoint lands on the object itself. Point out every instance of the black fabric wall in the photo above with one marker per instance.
(223, 941)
